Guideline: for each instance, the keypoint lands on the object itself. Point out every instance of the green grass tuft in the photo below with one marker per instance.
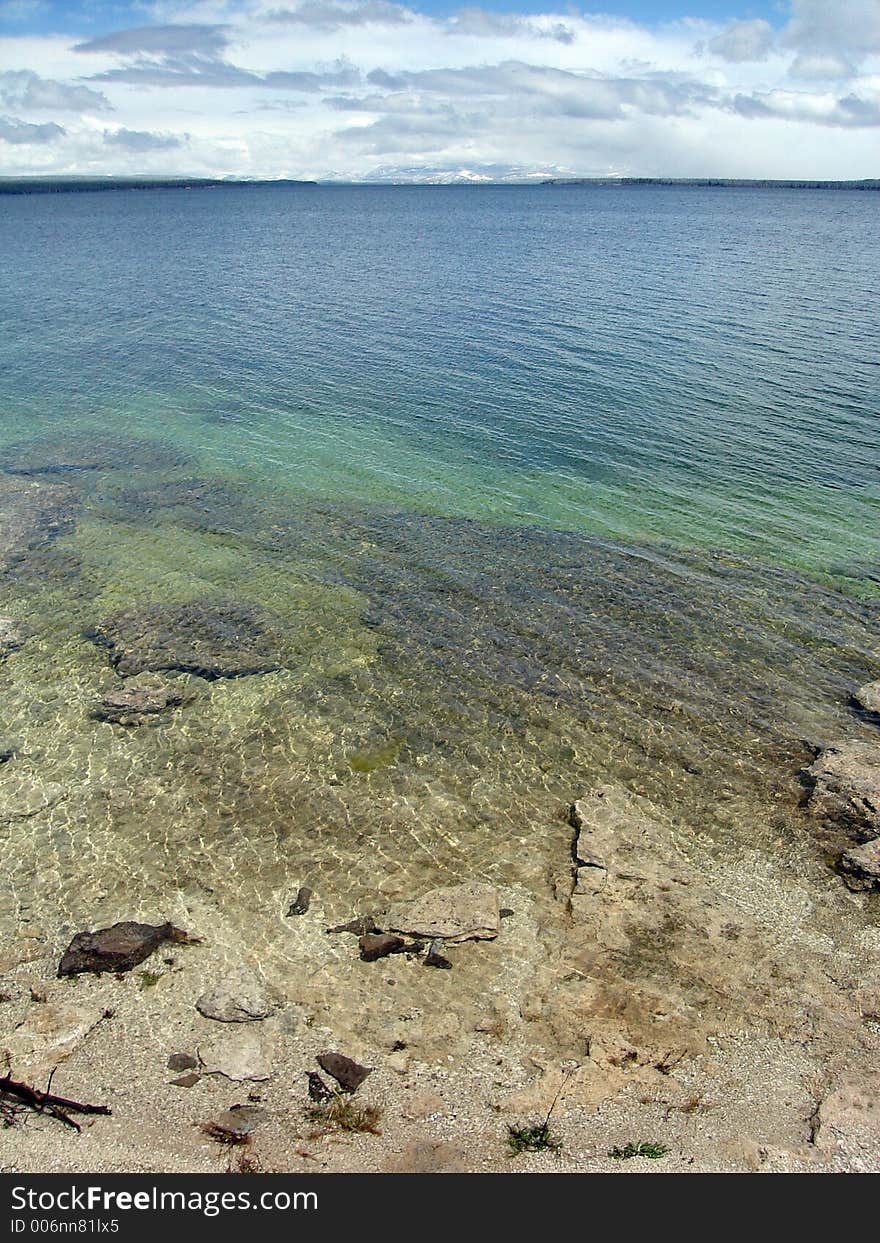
(644, 1149)
(342, 1114)
(535, 1138)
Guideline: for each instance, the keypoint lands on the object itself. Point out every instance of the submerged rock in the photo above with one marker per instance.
(118, 948)
(453, 913)
(12, 636)
(32, 516)
(237, 1001)
(347, 1073)
(359, 926)
(140, 699)
(49, 1034)
(86, 453)
(868, 697)
(210, 638)
(189, 1080)
(318, 1090)
(847, 786)
(848, 1117)
(300, 904)
(860, 866)
(195, 503)
(24, 794)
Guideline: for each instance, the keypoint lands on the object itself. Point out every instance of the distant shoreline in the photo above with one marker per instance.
(79, 185)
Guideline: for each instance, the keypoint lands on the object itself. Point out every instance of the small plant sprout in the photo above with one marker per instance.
(643, 1149)
(537, 1136)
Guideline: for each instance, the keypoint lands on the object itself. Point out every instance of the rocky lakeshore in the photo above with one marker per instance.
(350, 840)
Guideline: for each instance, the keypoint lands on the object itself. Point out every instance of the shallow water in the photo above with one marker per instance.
(538, 490)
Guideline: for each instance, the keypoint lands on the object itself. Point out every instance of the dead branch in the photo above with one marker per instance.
(59, 1107)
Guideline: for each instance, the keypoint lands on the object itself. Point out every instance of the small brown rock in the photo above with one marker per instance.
(347, 1073)
(379, 945)
(360, 926)
(182, 1061)
(434, 958)
(300, 904)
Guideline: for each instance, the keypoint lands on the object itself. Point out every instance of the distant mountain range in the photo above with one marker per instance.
(415, 176)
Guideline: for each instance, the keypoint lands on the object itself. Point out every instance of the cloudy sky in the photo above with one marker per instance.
(360, 89)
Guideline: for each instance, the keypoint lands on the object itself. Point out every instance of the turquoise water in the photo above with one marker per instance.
(516, 491)
(691, 366)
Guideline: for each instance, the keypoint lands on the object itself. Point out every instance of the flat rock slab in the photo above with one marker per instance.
(455, 913)
(240, 1056)
(347, 1073)
(848, 1118)
(84, 454)
(32, 516)
(118, 948)
(141, 698)
(197, 503)
(48, 1035)
(868, 697)
(237, 1001)
(213, 639)
(847, 785)
(22, 795)
(860, 867)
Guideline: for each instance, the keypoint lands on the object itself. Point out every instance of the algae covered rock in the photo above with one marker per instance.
(142, 698)
(210, 638)
(12, 636)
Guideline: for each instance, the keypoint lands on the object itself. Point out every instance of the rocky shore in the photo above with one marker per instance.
(394, 881)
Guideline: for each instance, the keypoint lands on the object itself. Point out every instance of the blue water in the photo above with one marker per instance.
(463, 501)
(697, 367)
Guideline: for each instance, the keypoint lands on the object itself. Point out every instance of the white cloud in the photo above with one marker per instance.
(139, 141)
(743, 41)
(22, 133)
(343, 87)
(22, 89)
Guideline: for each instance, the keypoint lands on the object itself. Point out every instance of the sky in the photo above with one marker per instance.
(433, 90)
